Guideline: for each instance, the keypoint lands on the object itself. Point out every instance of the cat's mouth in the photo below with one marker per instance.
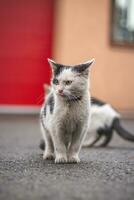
(62, 94)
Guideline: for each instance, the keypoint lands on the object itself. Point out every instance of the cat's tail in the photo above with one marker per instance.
(42, 145)
(121, 131)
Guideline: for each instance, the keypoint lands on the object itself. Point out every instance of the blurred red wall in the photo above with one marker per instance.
(25, 45)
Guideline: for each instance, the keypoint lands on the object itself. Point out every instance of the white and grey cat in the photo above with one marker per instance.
(65, 116)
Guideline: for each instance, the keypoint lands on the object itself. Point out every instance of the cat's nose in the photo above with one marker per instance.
(60, 91)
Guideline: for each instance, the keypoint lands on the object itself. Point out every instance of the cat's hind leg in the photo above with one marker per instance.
(107, 138)
(89, 142)
(48, 153)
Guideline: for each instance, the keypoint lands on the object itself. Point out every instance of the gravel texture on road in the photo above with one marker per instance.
(104, 173)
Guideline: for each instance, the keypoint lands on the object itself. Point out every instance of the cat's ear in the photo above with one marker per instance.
(56, 68)
(84, 67)
(53, 64)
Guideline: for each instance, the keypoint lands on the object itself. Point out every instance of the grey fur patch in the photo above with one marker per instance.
(74, 99)
(59, 68)
(80, 68)
(98, 102)
(44, 111)
(83, 67)
(50, 103)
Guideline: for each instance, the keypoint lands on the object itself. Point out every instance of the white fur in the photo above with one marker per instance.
(66, 75)
(101, 116)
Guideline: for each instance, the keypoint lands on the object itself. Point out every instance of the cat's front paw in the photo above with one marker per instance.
(73, 159)
(61, 159)
(48, 156)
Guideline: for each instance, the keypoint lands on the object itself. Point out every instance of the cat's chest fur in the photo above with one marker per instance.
(70, 116)
(73, 110)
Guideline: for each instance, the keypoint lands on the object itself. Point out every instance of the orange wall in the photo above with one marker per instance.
(82, 32)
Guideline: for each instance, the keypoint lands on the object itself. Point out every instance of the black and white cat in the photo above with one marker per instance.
(65, 115)
(105, 120)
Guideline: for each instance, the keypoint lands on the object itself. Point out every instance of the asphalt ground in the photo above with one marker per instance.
(103, 174)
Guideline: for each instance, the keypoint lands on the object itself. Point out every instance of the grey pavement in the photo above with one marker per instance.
(103, 174)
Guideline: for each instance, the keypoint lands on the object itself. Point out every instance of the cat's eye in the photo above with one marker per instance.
(55, 81)
(68, 82)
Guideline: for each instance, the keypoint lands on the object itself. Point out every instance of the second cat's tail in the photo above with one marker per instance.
(42, 144)
(121, 131)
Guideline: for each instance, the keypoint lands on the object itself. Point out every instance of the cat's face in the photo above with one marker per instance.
(70, 82)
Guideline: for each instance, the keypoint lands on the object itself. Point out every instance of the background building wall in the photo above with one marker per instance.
(82, 32)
